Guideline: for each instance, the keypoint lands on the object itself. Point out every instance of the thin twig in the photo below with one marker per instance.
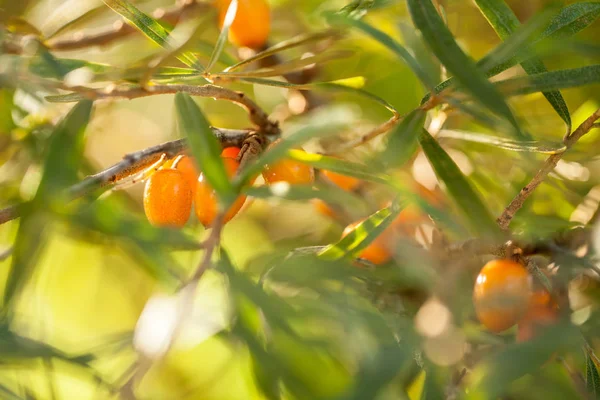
(373, 133)
(133, 163)
(516, 204)
(256, 114)
(119, 29)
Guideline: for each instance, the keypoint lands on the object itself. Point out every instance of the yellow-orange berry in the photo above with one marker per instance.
(343, 181)
(252, 22)
(206, 201)
(377, 251)
(502, 293)
(290, 171)
(542, 312)
(230, 152)
(187, 167)
(167, 198)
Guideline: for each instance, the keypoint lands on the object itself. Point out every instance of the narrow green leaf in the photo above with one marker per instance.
(290, 66)
(282, 148)
(569, 20)
(458, 186)
(60, 171)
(442, 43)
(491, 379)
(204, 146)
(285, 45)
(149, 27)
(563, 79)
(65, 98)
(386, 41)
(532, 146)
(505, 22)
(572, 19)
(222, 39)
(361, 236)
(592, 377)
(404, 139)
(339, 86)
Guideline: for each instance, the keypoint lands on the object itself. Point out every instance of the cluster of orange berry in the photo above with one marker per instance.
(504, 296)
(170, 192)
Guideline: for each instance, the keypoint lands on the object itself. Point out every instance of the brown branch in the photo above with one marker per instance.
(119, 29)
(516, 204)
(133, 163)
(256, 114)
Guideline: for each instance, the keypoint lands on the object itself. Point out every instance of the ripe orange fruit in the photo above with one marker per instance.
(377, 251)
(206, 201)
(542, 312)
(343, 181)
(252, 22)
(323, 208)
(187, 167)
(290, 171)
(230, 152)
(502, 293)
(168, 198)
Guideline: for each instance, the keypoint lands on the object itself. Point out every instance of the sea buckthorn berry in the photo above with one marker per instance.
(206, 200)
(323, 208)
(377, 251)
(252, 22)
(502, 293)
(290, 171)
(168, 198)
(343, 181)
(187, 167)
(230, 152)
(542, 312)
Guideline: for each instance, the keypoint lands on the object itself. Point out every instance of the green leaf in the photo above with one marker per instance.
(149, 27)
(362, 235)
(492, 377)
(204, 147)
(60, 171)
(592, 378)
(458, 186)
(387, 41)
(505, 22)
(378, 370)
(572, 19)
(532, 146)
(222, 39)
(563, 79)
(285, 45)
(569, 20)
(404, 139)
(281, 149)
(443, 45)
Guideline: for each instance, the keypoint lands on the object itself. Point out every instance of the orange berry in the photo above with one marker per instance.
(377, 251)
(206, 201)
(323, 208)
(502, 293)
(542, 312)
(188, 168)
(168, 198)
(230, 152)
(345, 182)
(252, 22)
(290, 171)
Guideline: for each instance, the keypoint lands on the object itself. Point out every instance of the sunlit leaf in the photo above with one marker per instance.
(148, 26)
(563, 79)
(502, 143)
(222, 39)
(458, 187)
(388, 42)
(204, 146)
(362, 235)
(443, 45)
(505, 22)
